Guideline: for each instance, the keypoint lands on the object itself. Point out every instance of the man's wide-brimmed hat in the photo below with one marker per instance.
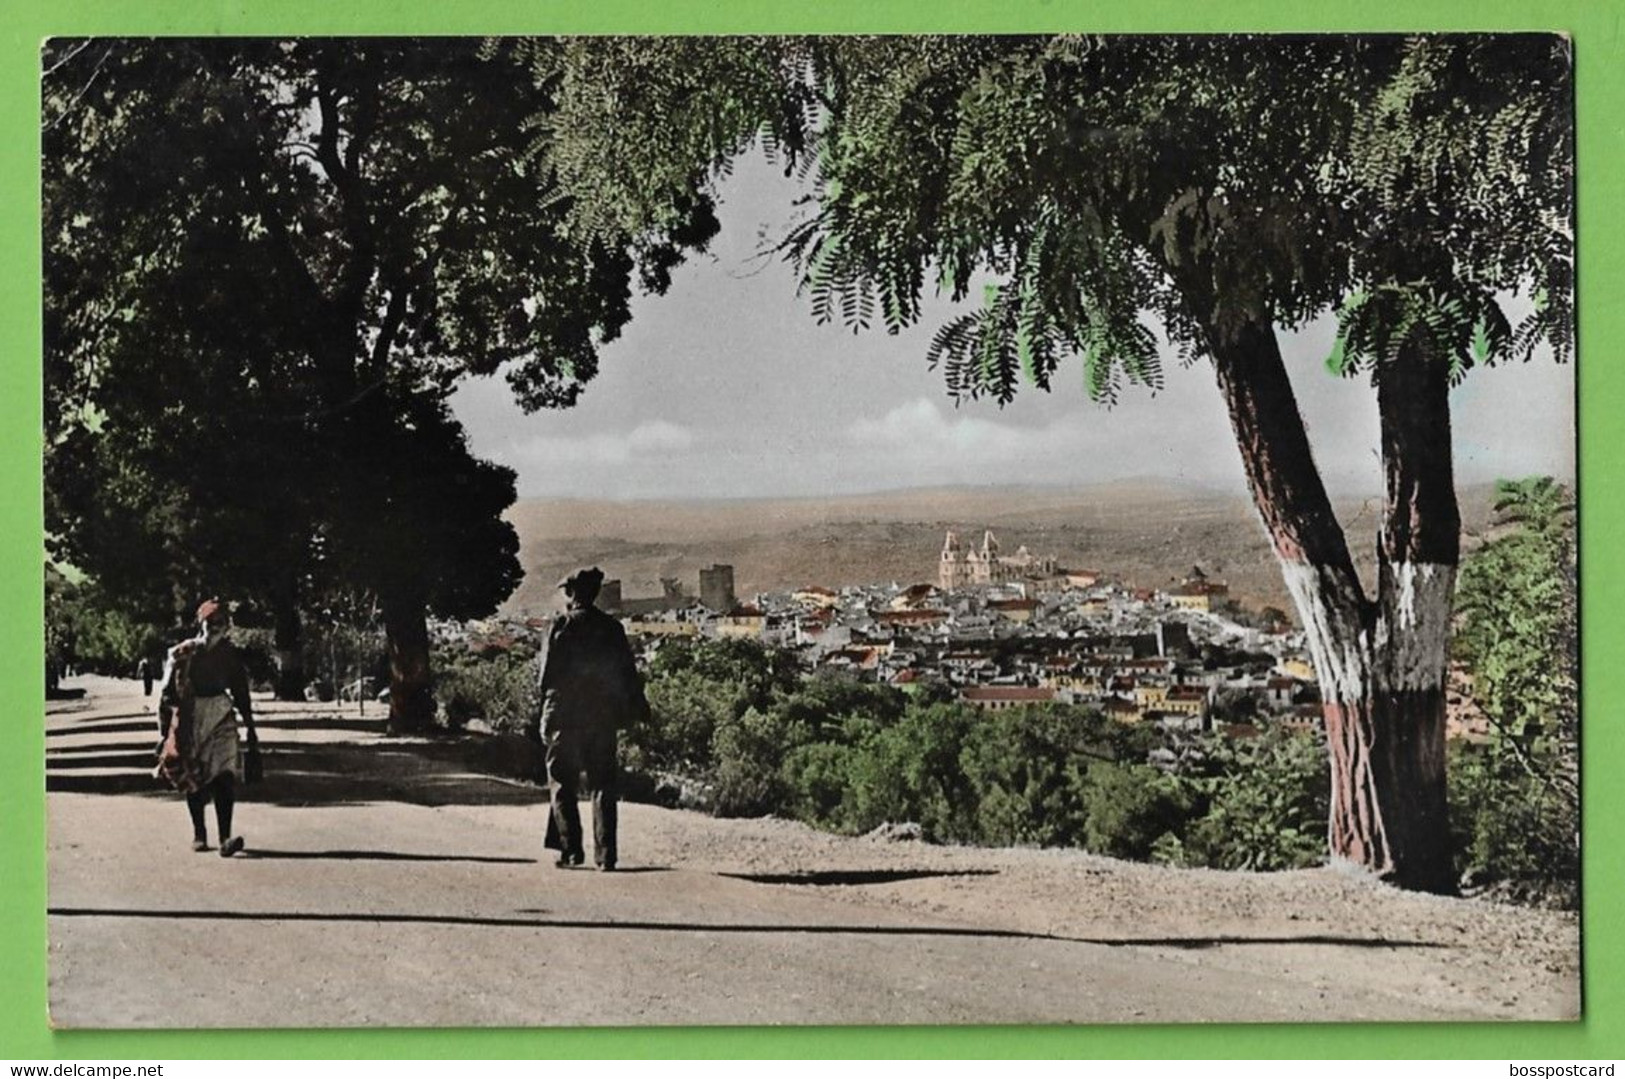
(592, 579)
(209, 608)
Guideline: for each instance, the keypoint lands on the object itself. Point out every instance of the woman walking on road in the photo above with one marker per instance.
(205, 690)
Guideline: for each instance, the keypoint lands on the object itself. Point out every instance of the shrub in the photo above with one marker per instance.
(1262, 803)
(877, 789)
(1025, 769)
(1515, 832)
(749, 752)
(1128, 808)
(497, 687)
(1515, 801)
(817, 778)
(685, 711)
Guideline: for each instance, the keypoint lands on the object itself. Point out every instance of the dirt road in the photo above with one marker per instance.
(387, 883)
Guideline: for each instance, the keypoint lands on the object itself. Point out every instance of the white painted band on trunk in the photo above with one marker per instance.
(1337, 643)
(1413, 624)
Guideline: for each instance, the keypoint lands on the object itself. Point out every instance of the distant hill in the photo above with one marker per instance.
(1145, 533)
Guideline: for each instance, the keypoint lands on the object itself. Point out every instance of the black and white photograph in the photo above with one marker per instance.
(810, 530)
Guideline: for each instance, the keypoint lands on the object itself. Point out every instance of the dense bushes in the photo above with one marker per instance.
(498, 687)
(86, 630)
(1515, 798)
(733, 720)
(736, 729)
(1262, 803)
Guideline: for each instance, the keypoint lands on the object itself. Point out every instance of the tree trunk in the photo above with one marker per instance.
(288, 639)
(1380, 665)
(411, 697)
(1416, 578)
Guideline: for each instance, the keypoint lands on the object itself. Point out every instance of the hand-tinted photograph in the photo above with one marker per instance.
(635, 531)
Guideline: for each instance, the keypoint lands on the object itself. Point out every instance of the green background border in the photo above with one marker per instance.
(1600, 56)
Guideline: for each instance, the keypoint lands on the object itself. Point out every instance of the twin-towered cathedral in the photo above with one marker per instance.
(971, 568)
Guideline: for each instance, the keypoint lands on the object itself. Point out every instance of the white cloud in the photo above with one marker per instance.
(658, 436)
(918, 430)
(652, 440)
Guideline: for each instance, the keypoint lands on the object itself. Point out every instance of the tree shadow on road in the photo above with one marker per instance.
(843, 928)
(856, 876)
(127, 723)
(309, 774)
(382, 856)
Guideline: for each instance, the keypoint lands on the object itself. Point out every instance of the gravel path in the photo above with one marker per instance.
(390, 882)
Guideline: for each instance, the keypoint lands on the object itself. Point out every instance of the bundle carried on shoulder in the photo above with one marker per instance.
(176, 718)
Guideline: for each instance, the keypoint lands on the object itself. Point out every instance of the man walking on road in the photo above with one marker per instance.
(588, 689)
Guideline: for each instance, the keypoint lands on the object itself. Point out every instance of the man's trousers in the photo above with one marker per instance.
(570, 755)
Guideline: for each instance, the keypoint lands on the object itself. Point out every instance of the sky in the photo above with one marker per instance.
(726, 387)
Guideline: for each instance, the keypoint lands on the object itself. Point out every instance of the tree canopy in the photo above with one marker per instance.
(1403, 183)
(267, 263)
(1220, 188)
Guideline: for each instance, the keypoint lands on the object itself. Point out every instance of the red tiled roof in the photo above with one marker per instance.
(1007, 693)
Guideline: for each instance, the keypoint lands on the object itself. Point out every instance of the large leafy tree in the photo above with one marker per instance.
(1231, 188)
(291, 251)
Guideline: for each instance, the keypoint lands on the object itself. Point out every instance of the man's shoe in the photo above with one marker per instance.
(231, 846)
(569, 859)
(200, 844)
(606, 867)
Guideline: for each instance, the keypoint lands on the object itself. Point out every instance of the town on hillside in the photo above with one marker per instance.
(1005, 631)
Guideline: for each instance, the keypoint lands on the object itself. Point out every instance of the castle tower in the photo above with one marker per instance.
(717, 588)
(671, 592)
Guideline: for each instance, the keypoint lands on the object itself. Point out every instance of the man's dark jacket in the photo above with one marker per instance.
(589, 680)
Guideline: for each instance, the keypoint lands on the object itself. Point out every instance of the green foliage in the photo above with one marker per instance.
(1516, 801)
(819, 778)
(755, 669)
(1128, 808)
(686, 708)
(749, 751)
(83, 627)
(824, 703)
(851, 756)
(266, 265)
(698, 690)
(1405, 183)
(1022, 768)
(930, 743)
(1516, 633)
(1257, 803)
(498, 687)
(1516, 832)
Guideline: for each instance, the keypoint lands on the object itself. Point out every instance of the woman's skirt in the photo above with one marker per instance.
(216, 748)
